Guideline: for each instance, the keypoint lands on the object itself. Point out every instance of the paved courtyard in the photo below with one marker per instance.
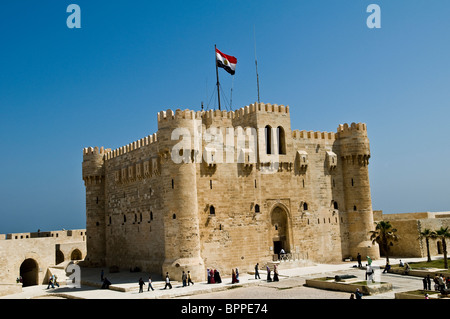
(291, 286)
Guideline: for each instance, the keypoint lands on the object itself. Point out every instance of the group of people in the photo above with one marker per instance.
(213, 276)
(440, 282)
(52, 281)
(269, 271)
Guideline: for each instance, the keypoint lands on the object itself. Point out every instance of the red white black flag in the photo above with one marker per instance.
(226, 62)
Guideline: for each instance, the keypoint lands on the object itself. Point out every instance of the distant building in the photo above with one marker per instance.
(302, 191)
(409, 226)
(32, 255)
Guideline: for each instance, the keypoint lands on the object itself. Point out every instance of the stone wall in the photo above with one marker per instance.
(207, 212)
(35, 253)
(409, 226)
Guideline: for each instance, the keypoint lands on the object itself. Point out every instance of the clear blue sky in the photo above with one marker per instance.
(65, 89)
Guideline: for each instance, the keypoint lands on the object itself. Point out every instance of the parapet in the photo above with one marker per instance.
(345, 130)
(313, 135)
(150, 139)
(94, 151)
(169, 115)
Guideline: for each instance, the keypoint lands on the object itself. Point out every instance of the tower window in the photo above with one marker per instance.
(305, 206)
(173, 184)
(268, 131)
(256, 208)
(174, 216)
(354, 208)
(353, 182)
(210, 184)
(212, 210)
(335, 205)
(281, 141)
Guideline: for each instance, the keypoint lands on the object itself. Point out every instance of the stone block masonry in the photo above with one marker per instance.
(307, 193)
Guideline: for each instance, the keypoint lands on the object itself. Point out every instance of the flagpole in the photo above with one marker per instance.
(217, 75)
(256, 63)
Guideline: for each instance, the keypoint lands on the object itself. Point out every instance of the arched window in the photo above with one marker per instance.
(256, 208)
(335, 205)
(268, 132)
(305, 206)
(174, 216)
(354, 208)
(281, 141)
(212, 210)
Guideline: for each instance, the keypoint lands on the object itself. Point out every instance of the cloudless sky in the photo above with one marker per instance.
(65, 89)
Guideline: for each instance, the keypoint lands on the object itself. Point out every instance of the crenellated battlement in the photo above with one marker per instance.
(94, 151)
(150, 139)
(315, 135)
(169, 115)
(344, 130)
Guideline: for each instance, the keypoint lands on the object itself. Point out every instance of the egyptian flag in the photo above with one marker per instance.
(226, 62)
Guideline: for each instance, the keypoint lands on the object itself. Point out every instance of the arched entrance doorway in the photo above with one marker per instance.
(29, 271)
(279, 233)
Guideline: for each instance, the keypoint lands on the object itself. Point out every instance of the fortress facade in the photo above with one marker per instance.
(226, 189)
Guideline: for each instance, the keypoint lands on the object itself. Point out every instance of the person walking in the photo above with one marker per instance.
(168, 284)
(269, 279)
(189, 278)
(428, 282)
(233, 276)
(55, 281)
(150, 284)
(141, 285)
(359, 260)
(102, 273)
(50, 282)
(275, 273)
(217, 277)
(257, 271)
(237, 275)
(184, 279)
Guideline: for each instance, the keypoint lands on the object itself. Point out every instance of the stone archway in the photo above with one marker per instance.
(76, 255)
(280, 230)
(29, 271)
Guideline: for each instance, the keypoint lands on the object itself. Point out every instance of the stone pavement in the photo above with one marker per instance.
(291, 285)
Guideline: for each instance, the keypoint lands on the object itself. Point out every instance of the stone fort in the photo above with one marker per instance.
(306, 192)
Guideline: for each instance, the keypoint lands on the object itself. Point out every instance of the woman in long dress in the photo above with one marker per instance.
(212, 276)
(217, 278)
(233, 276)
(269, 279)
(275, 273)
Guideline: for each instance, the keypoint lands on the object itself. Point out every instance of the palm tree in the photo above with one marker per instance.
(384, 235)
(427, 234)
(443, 233)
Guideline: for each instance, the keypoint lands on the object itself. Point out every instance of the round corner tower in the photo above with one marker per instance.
(179, 199)
(355, 153)
(94, 181)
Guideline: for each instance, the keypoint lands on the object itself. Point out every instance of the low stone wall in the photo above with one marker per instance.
(418, 294)
(420, 272)
(349, 286)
